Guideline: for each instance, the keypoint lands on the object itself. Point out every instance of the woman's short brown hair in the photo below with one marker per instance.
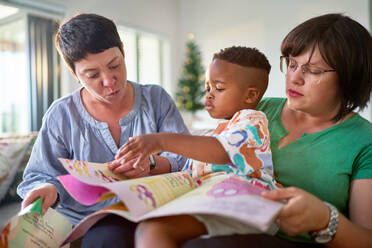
(346, 46)
(83, 34)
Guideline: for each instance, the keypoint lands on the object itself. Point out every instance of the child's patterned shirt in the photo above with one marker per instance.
(246, 140)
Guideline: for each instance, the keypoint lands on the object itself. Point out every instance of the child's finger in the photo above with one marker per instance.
(128, 149)
(125, 147)
(132, 155)
(120, 152)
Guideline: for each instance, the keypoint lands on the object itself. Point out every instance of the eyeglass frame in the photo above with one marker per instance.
(304, 70)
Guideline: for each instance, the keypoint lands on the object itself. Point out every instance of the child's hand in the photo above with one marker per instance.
(140, 146)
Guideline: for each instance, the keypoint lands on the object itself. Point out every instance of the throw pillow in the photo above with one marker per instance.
(12, 150)
(11, 195)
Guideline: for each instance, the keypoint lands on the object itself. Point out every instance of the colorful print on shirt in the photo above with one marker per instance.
(246, 140)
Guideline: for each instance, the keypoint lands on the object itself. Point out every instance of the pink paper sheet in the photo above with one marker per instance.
(78, 190)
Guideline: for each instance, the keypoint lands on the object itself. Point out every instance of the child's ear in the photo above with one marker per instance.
(252, 95)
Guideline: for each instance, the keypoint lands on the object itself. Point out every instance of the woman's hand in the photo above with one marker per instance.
(140, 147)
(302, 212)
(48, 193)
(127, 169)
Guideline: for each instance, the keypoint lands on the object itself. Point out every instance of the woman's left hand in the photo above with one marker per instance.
(140, 147)
(302, 212)
(127, 168)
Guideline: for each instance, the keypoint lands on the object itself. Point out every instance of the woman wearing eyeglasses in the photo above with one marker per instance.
(322, 148)
(320, 144)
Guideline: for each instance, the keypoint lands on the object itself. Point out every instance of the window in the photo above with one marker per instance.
(14, 107)
(147, 56)
(29, 69)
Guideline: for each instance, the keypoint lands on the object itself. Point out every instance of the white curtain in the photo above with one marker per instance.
(14, 103)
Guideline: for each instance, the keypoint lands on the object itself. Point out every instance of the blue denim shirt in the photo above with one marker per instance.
(68, 131)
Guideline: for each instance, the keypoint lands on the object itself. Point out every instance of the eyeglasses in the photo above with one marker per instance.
(310, 73)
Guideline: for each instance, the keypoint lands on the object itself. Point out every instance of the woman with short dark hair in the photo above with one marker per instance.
(92, 123)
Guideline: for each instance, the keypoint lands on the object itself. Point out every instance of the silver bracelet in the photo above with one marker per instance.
(326, 235)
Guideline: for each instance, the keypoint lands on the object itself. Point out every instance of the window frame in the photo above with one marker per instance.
(43, 85)
(164, 48)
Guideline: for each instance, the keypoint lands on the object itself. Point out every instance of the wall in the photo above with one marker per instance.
(216, 24)
(158, 17)
(263, 24)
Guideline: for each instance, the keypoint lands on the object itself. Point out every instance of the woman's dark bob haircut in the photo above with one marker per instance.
(345, 46)
(83, 34)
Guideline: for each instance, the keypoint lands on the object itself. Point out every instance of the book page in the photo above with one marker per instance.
(90, 173)
(32, 230)
(78, 190)
(225, 196)
(145, 194)
(219, 194)
(140, 195)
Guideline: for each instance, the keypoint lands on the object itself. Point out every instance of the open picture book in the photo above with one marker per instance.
(31, 229)
(164, 195)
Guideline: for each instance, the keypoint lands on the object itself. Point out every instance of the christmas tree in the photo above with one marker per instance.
(191, 85)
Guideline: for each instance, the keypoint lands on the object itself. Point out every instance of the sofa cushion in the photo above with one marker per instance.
(12, 162)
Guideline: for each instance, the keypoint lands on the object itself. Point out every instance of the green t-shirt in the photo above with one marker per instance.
(323, 163)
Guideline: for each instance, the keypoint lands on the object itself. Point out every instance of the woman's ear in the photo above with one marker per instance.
(252, 95)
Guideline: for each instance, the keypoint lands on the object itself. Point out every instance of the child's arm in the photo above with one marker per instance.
(202, 148)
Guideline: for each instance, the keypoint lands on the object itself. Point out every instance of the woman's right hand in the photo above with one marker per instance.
(48, 193)
(302, 212)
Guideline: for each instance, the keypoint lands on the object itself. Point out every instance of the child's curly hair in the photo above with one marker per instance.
(244, 56)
